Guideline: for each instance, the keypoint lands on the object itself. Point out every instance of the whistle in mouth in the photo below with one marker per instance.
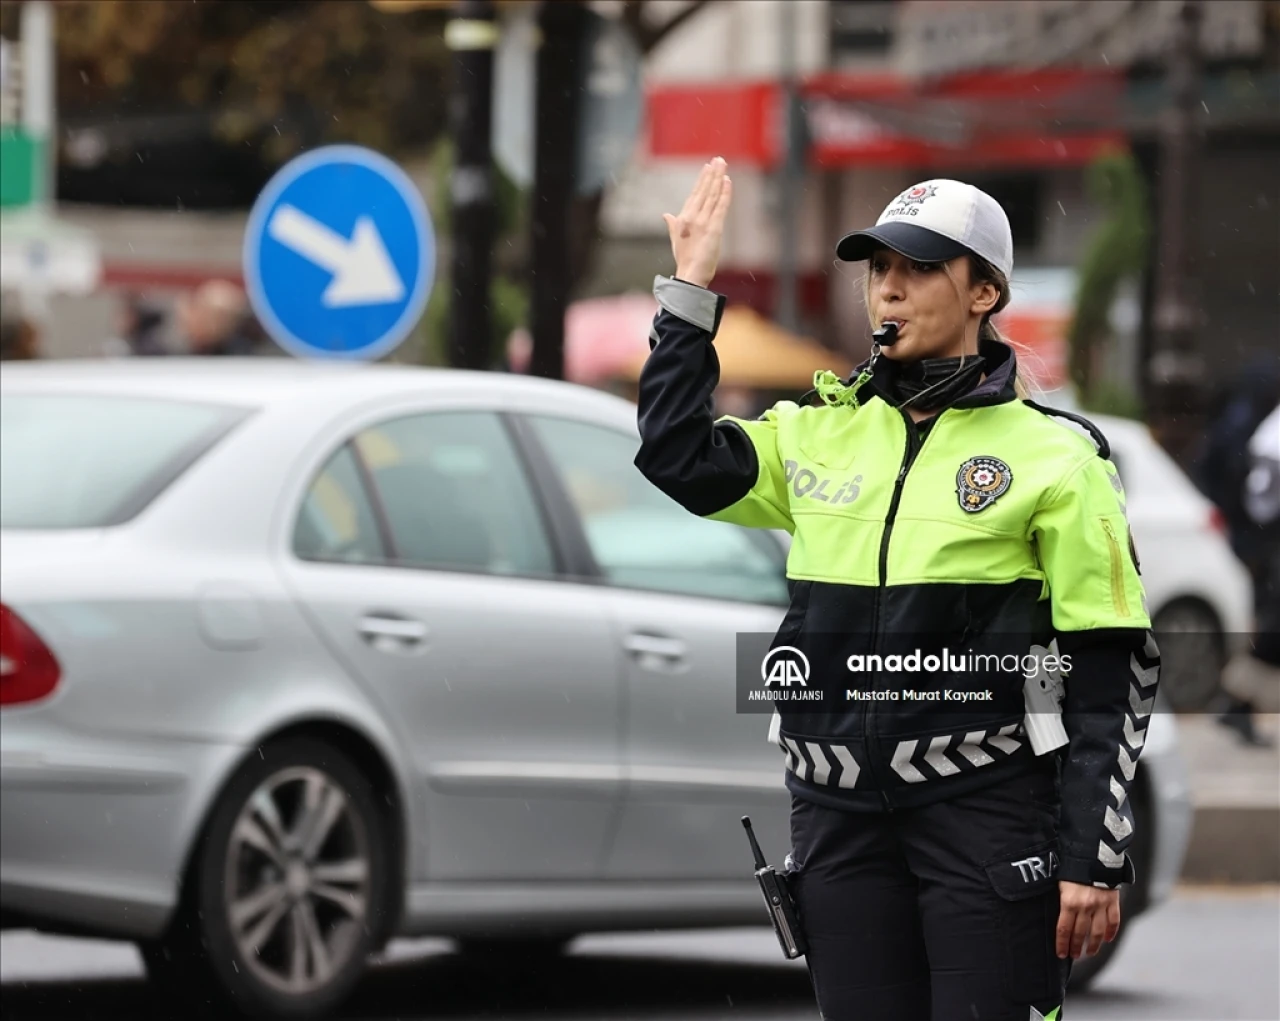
(887, 335)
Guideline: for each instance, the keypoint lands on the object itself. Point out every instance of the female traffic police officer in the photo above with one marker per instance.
(941, 868)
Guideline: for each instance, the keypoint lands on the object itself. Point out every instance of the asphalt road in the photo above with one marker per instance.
(1210, 955)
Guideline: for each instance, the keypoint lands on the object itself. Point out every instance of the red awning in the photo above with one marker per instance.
(992, 118)
(733, 121)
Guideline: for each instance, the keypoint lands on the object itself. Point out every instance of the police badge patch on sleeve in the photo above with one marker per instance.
(980, 482)
(1133, 552)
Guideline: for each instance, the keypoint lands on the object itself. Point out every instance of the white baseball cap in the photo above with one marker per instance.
(935, 221)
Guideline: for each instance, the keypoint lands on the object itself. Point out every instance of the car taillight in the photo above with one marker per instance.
(1216, 522)
(28, 669)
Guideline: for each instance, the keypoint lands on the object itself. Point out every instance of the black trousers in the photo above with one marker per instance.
(941, 913)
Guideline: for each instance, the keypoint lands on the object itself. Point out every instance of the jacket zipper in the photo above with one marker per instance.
(914, 446)
(1118, 598)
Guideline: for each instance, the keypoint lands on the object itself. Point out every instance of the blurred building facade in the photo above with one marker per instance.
(1017, 96)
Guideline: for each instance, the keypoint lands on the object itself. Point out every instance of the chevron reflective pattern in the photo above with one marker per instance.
(924, 759)
(834, 765)
(1118, 819)
(820, 762)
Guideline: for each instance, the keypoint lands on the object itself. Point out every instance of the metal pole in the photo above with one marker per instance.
(39, 115)
(791, 178)
(1176, 369)
(472, 35)
(556, 107)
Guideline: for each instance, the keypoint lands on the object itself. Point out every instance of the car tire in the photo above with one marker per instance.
(287, 892)
(1190, 680)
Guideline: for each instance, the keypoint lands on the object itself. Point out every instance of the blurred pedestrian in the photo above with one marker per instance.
(1251, 679)
(139, 326)
(19, 340)
(1223, 462)
(934, 876)
(214, 320)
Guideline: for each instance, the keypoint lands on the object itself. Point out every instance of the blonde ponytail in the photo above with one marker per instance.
(989, 331)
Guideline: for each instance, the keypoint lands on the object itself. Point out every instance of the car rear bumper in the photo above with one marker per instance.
(94, 836)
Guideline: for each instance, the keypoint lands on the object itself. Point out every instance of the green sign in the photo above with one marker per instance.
(20, 156)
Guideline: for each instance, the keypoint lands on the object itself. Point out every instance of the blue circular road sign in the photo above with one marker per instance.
(339, 254)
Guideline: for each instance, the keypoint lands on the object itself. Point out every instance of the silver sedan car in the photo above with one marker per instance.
(301, 657)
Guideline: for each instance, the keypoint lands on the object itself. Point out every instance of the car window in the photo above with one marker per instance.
(455, 494)
(641, 538)
(336, 521)
(72, 461)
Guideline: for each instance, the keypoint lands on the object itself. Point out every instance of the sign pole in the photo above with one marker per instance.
(791, 178)
(38, 114)
(1175, 370)
(557, 106)
(472, 36)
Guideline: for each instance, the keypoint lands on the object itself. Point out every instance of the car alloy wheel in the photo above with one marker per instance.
(1191, 656)
(291, 887)
(297, 881)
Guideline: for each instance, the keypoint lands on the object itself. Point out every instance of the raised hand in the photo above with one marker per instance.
(697, 232)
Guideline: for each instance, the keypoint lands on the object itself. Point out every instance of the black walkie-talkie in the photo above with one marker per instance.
(777, 898)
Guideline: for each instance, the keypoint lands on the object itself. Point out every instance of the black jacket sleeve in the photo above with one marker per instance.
(1102, 622)
(1110, 695)
(711, 468)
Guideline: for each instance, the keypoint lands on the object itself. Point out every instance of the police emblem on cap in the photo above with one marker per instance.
(914, 196)
(980, 482)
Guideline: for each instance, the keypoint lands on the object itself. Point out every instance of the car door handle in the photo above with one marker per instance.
(656, 652)
(383, 630)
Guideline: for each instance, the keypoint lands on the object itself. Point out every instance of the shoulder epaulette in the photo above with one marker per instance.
(1104, 448)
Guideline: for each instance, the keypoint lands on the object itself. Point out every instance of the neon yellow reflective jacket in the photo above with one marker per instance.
(991, 530)
(993, 495)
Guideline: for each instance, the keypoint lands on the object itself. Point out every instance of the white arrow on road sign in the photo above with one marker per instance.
(363, 273)
(339, 255)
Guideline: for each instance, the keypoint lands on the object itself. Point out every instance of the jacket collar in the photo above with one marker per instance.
(996, 388)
